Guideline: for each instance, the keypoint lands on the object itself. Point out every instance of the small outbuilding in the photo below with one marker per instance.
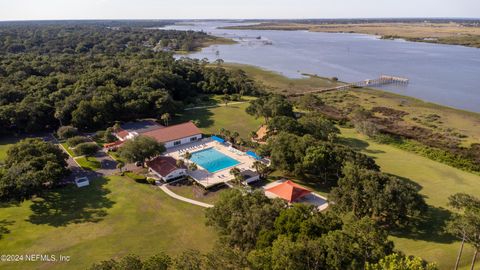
(250, 176)
(82, 182)
(288, 191)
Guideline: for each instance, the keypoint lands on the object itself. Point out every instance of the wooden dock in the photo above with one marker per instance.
(382, 80)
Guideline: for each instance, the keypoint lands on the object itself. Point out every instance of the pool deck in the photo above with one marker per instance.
(202, 176)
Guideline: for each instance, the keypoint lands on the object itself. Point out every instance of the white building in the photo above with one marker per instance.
(166, 169)
(175, 135)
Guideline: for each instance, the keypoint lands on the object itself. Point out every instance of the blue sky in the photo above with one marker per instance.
(203, 9)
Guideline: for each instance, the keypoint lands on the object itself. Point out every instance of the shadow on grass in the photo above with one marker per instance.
(432, 227)
(69, 205)
(354, 143)
(359, 145)
(416, 185)
(202, 116)
(3, 227)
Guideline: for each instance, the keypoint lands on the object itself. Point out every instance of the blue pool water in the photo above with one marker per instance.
(212, 160)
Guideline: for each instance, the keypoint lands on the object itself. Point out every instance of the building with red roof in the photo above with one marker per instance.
(289, 191)
(165, 168)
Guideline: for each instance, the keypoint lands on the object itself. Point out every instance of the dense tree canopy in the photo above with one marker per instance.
(308, 157)
(273, 236)
(387, 199)
(31, 166)
(140, 149)
(89, 76)
(269, 106)
(398, 262)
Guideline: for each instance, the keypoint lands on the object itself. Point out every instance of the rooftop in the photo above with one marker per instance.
(289, 191)
(174, 132)
(163, 165)
(141, 126)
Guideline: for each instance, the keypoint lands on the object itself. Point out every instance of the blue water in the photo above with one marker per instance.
(444, 74)
(212, 160)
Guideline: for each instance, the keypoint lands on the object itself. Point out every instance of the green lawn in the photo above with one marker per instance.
(111, 218)
(436, 182)
(6, 143)
(90, 164)
(231, 117)
(68, 149)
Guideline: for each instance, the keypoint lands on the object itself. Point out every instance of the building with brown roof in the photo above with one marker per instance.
(165, 168)
(176, 135)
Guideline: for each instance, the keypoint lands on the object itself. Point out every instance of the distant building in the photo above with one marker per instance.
(166, 169)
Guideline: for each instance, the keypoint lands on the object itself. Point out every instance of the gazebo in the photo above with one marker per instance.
(289, 191)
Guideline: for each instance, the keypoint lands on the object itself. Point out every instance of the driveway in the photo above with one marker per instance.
(109, 166)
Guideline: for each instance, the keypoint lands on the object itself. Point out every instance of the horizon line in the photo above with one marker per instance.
(238, 19)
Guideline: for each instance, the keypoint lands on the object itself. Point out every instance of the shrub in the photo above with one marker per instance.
(65, 132)
(151, 180)
(86, 148)
(137, 177)
(76, 140)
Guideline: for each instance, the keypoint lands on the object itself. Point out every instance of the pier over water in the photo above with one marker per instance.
(382, 80)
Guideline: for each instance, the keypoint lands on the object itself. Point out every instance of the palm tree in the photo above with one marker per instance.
(165, 118)
(187, 155)
(235, 135)
(180, 163)
(116, 127)
(222, 131)
(192, 167)
(253, 135)
(237, 174)
(227, 135)
(120, 166)
(261, 168)
(226, 98)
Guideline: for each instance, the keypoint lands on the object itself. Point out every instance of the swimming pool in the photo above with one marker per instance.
(212, 160)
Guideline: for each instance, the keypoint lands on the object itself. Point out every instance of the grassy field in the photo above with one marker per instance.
(90, 164)
(436, 182)
(111, 218)
(446, 33)
(231, 117)
(281, 84)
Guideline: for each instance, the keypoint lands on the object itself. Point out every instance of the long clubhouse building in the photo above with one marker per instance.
(176, 135)
(170, 136)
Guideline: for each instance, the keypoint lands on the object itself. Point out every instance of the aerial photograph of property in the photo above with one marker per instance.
(249, 135)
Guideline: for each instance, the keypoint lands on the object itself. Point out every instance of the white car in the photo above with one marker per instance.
(82, 182)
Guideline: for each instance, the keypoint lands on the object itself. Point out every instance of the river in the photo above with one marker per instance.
(443, 74)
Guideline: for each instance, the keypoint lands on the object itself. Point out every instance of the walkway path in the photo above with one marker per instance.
(213, 106)
(178, 197)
